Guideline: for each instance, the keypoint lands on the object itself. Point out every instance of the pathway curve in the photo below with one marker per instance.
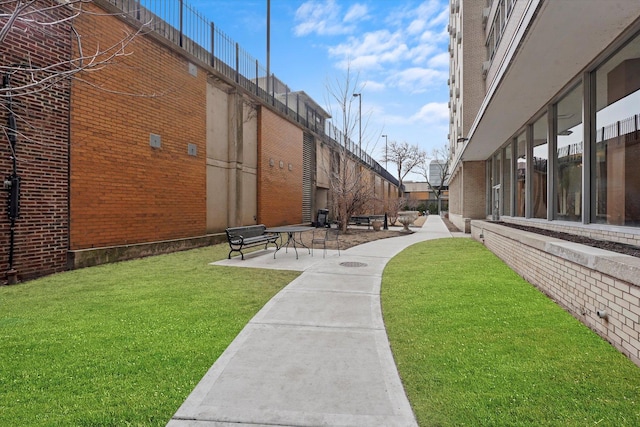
(317, 354)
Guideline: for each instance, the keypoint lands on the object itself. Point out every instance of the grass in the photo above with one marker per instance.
(121, 344)
(477, 345)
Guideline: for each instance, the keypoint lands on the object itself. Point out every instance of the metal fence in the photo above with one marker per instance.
(181, 24)
(627, 127)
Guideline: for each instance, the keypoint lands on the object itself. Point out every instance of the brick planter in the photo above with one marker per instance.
(598, 287)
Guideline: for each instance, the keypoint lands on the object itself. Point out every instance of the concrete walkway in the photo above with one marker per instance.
(317, 354)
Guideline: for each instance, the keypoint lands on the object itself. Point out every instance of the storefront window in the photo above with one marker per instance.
(617, 140)
(506, 181)
(569, 156)
(521, 173)
(540, 165)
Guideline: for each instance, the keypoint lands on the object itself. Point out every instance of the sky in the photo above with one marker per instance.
(396, 49)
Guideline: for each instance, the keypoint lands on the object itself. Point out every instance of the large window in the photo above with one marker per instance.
(540, 165)
(506, 181)
(617, 140)
(521, 173)
(497, 184)
(569, 156)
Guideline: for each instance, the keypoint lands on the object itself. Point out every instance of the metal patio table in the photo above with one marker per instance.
(290, 231)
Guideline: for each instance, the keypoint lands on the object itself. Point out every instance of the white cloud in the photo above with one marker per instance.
(320, 17)
(413, 37)
(370, 50)
(357, 12)
(441, 60)
(373, 86)
(417, 80)
(433, 112)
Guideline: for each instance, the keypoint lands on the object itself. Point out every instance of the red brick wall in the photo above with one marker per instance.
(41, 232)
(279, 185)
(124, 191)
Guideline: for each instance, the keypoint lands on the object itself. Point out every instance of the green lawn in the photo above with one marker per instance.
(476, 345)
(121, 344)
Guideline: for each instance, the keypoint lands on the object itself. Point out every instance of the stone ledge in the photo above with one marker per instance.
(95, 256)
(620, 266)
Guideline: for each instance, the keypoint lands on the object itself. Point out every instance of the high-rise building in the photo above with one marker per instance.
(545, 111)
(545, 134)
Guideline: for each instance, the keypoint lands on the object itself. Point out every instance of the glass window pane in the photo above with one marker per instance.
(497, 178)
(521, 173)
(506, 181)
(617, 141)
(489, 176)
(569, 156)
(540, 164)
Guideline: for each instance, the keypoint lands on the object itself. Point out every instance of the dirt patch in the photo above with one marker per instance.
(595, 243)
(357, 236)
(353, 237)
(452, 228)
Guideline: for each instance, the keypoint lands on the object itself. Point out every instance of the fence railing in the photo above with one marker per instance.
(181, 24)
(627, 126)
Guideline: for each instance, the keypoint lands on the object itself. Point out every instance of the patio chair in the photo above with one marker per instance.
(324, 235)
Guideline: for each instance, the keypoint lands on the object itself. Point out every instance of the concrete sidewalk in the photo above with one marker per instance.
(317, 354)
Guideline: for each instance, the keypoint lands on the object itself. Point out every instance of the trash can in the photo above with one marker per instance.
(322, 218)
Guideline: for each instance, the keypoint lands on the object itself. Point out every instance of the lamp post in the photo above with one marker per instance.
(386, 152)
(359, 95)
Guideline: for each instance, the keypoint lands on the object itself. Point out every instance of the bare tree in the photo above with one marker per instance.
(351, 191)
(406, 158)
(392, 207)
(24, 75)
(436, 170)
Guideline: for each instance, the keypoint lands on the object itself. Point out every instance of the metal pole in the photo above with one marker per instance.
(181, 12)
(213, 43)
(237, 63)
(268, 43)
(359, 95)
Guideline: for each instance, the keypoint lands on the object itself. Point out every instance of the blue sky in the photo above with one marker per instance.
(396, 48)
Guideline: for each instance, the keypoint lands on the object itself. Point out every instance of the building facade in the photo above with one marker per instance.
(545, 117)
(160, 149)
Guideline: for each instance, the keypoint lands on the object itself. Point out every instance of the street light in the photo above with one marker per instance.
(386, 152)
(359, 95)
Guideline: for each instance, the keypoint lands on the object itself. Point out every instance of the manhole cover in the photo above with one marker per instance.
(353, 264)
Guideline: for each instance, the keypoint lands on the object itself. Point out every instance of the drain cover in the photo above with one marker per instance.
(353, 264)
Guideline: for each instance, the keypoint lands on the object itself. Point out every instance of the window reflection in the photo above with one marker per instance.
(540, 165)
(497, 181)
(506, 181)
(617, 142)
(569, 156)
(521, 173)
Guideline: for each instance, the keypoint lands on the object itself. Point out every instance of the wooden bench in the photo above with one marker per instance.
(360, 220)
(249, 236)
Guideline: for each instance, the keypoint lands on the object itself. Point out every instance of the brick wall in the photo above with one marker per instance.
(473, 190)
(583, 280)
(467, 199)
(279, 170)
(124, 191)
(41, 232)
